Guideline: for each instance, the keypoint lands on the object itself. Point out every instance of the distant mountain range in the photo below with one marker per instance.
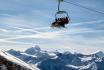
(46, 60)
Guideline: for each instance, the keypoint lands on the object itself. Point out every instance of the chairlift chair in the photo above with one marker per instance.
(61, 18)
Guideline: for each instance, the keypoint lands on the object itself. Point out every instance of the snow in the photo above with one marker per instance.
(15, 60)
(87, 66)
(29, 55)
(72, 66)
(83, 67)
(34, 66)
(52, 54)
(84, 59)
(55, 57)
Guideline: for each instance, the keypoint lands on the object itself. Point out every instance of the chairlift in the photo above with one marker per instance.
(61, 18)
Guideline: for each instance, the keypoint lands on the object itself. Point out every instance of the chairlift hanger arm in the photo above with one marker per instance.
(59, 1)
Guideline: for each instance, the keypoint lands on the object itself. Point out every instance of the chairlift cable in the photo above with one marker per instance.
(79, 5)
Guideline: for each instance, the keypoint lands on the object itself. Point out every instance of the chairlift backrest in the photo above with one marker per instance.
(61, 14)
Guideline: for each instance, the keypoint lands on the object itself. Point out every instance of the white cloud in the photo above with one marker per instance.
(88, 22)
(3, 30)
(65, 38)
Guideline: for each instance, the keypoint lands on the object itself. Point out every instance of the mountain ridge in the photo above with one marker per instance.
(46, 60)
(10, 62)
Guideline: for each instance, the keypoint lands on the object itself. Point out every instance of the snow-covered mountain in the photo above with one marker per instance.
(46, 60)
(9, 62)
(33, 50)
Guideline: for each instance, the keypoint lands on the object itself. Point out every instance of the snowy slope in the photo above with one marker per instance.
(13, 59)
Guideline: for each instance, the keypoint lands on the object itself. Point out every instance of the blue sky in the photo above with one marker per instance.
(24, 23)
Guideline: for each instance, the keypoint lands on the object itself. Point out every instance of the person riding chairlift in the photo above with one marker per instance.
(60, 22)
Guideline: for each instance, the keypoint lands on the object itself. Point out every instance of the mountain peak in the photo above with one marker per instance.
(33, 50)
(14, 52)
(99, 54)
